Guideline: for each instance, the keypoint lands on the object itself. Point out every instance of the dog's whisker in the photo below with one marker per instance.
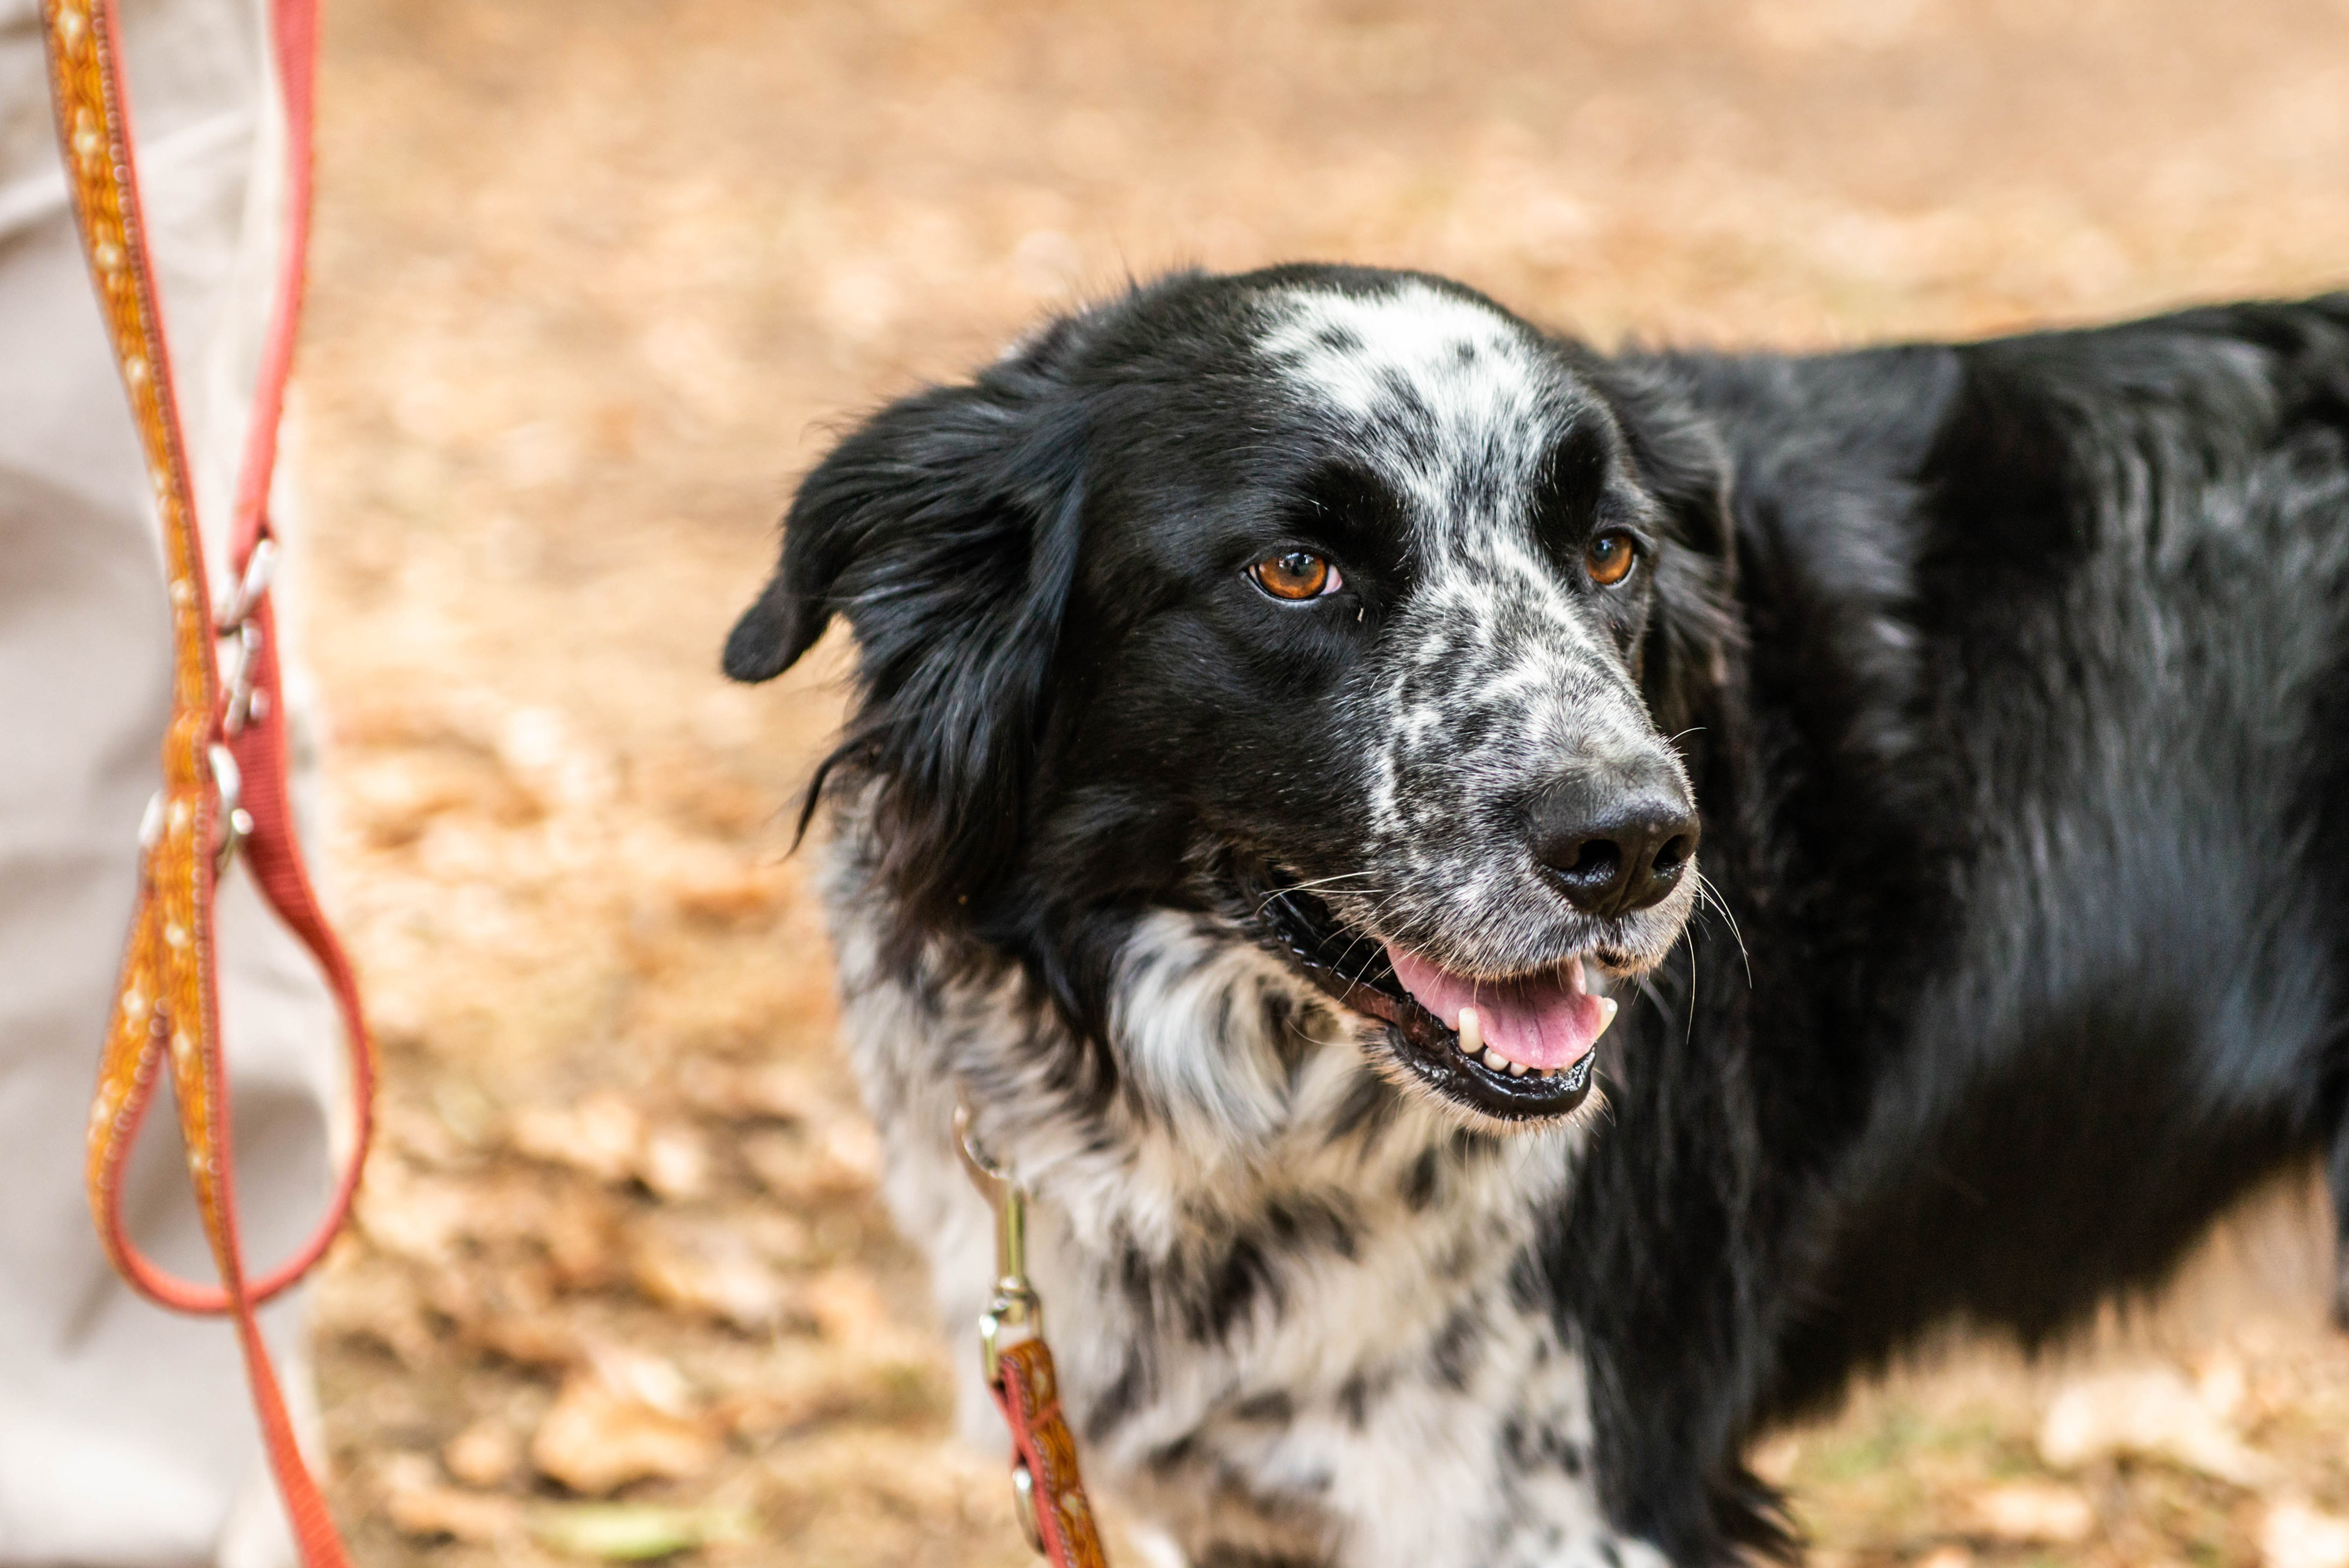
(1688, 1030)
(1318, 882)
(1706, 892)
(1362, 935)
(1647, 987)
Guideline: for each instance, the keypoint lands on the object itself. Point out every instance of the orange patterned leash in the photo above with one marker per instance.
(224, 750)
(1049, 1494)
(1053, 1497)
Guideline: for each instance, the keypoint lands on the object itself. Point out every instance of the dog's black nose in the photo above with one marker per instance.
(1615, 838)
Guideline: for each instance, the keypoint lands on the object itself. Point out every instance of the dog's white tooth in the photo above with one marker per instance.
(1607, 1012)
(1494, 1060)
(1472, 1031)
(1575, 981)
(1517, 1069)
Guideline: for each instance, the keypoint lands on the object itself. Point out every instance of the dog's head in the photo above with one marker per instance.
(1342, 601)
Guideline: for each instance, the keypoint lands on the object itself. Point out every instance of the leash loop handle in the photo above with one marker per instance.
(224, 753)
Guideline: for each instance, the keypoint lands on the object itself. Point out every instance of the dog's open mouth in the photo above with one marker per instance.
(1518, 1049)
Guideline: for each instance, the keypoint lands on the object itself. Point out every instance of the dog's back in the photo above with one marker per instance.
(2050, 664)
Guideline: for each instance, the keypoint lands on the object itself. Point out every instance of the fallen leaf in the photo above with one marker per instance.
(377, 1300)
(421, 1508)
(527, 1338)
(445, 1512)
(410, 1216)
(772, 1090)
(2296, 1535)
(846, 1304)
(675, 1163)
(2152, 1413)
(713, 1272)
(723, 896)
(489, 1291)
(402, 1471)
(839, 1161)
(897, 1375)
(465, 1114)
(603, 1135)
(629, 1532)
(2028, 1512)
(484, 1454)
(582, 1241)
(852, 1152)
(778, 1238)
(418, 1134)
(544, 753)
(641, 1374)
(597, 1439)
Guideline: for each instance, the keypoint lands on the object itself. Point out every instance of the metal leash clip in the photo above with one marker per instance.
(236, 822)
(1014, 1312)
(242, 701)
(242, 704)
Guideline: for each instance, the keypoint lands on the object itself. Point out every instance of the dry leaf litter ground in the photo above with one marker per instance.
(595, 279)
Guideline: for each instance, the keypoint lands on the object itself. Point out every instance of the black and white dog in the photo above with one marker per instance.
(1292, 704)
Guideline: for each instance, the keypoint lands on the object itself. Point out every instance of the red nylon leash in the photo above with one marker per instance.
(225, 752)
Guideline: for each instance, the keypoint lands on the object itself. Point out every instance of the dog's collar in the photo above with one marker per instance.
(1049, 1494)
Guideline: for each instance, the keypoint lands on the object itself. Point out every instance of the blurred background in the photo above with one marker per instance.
(595, 279)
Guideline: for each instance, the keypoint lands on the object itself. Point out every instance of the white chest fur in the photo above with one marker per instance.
(1296, 1311)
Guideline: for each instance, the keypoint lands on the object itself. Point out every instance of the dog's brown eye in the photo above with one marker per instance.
(1608, 559)
(1295, 574)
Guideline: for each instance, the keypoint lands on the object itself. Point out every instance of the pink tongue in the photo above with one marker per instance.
(1538, 1019)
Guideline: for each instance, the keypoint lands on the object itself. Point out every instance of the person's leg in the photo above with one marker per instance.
(125, 1433)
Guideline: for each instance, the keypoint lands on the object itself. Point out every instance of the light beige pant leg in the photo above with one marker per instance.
(125, 1433)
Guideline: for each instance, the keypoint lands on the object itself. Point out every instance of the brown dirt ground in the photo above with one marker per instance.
(595, 279)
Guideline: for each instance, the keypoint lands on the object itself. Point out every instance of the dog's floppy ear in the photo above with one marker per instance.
(1693, 632)
(945, 530)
